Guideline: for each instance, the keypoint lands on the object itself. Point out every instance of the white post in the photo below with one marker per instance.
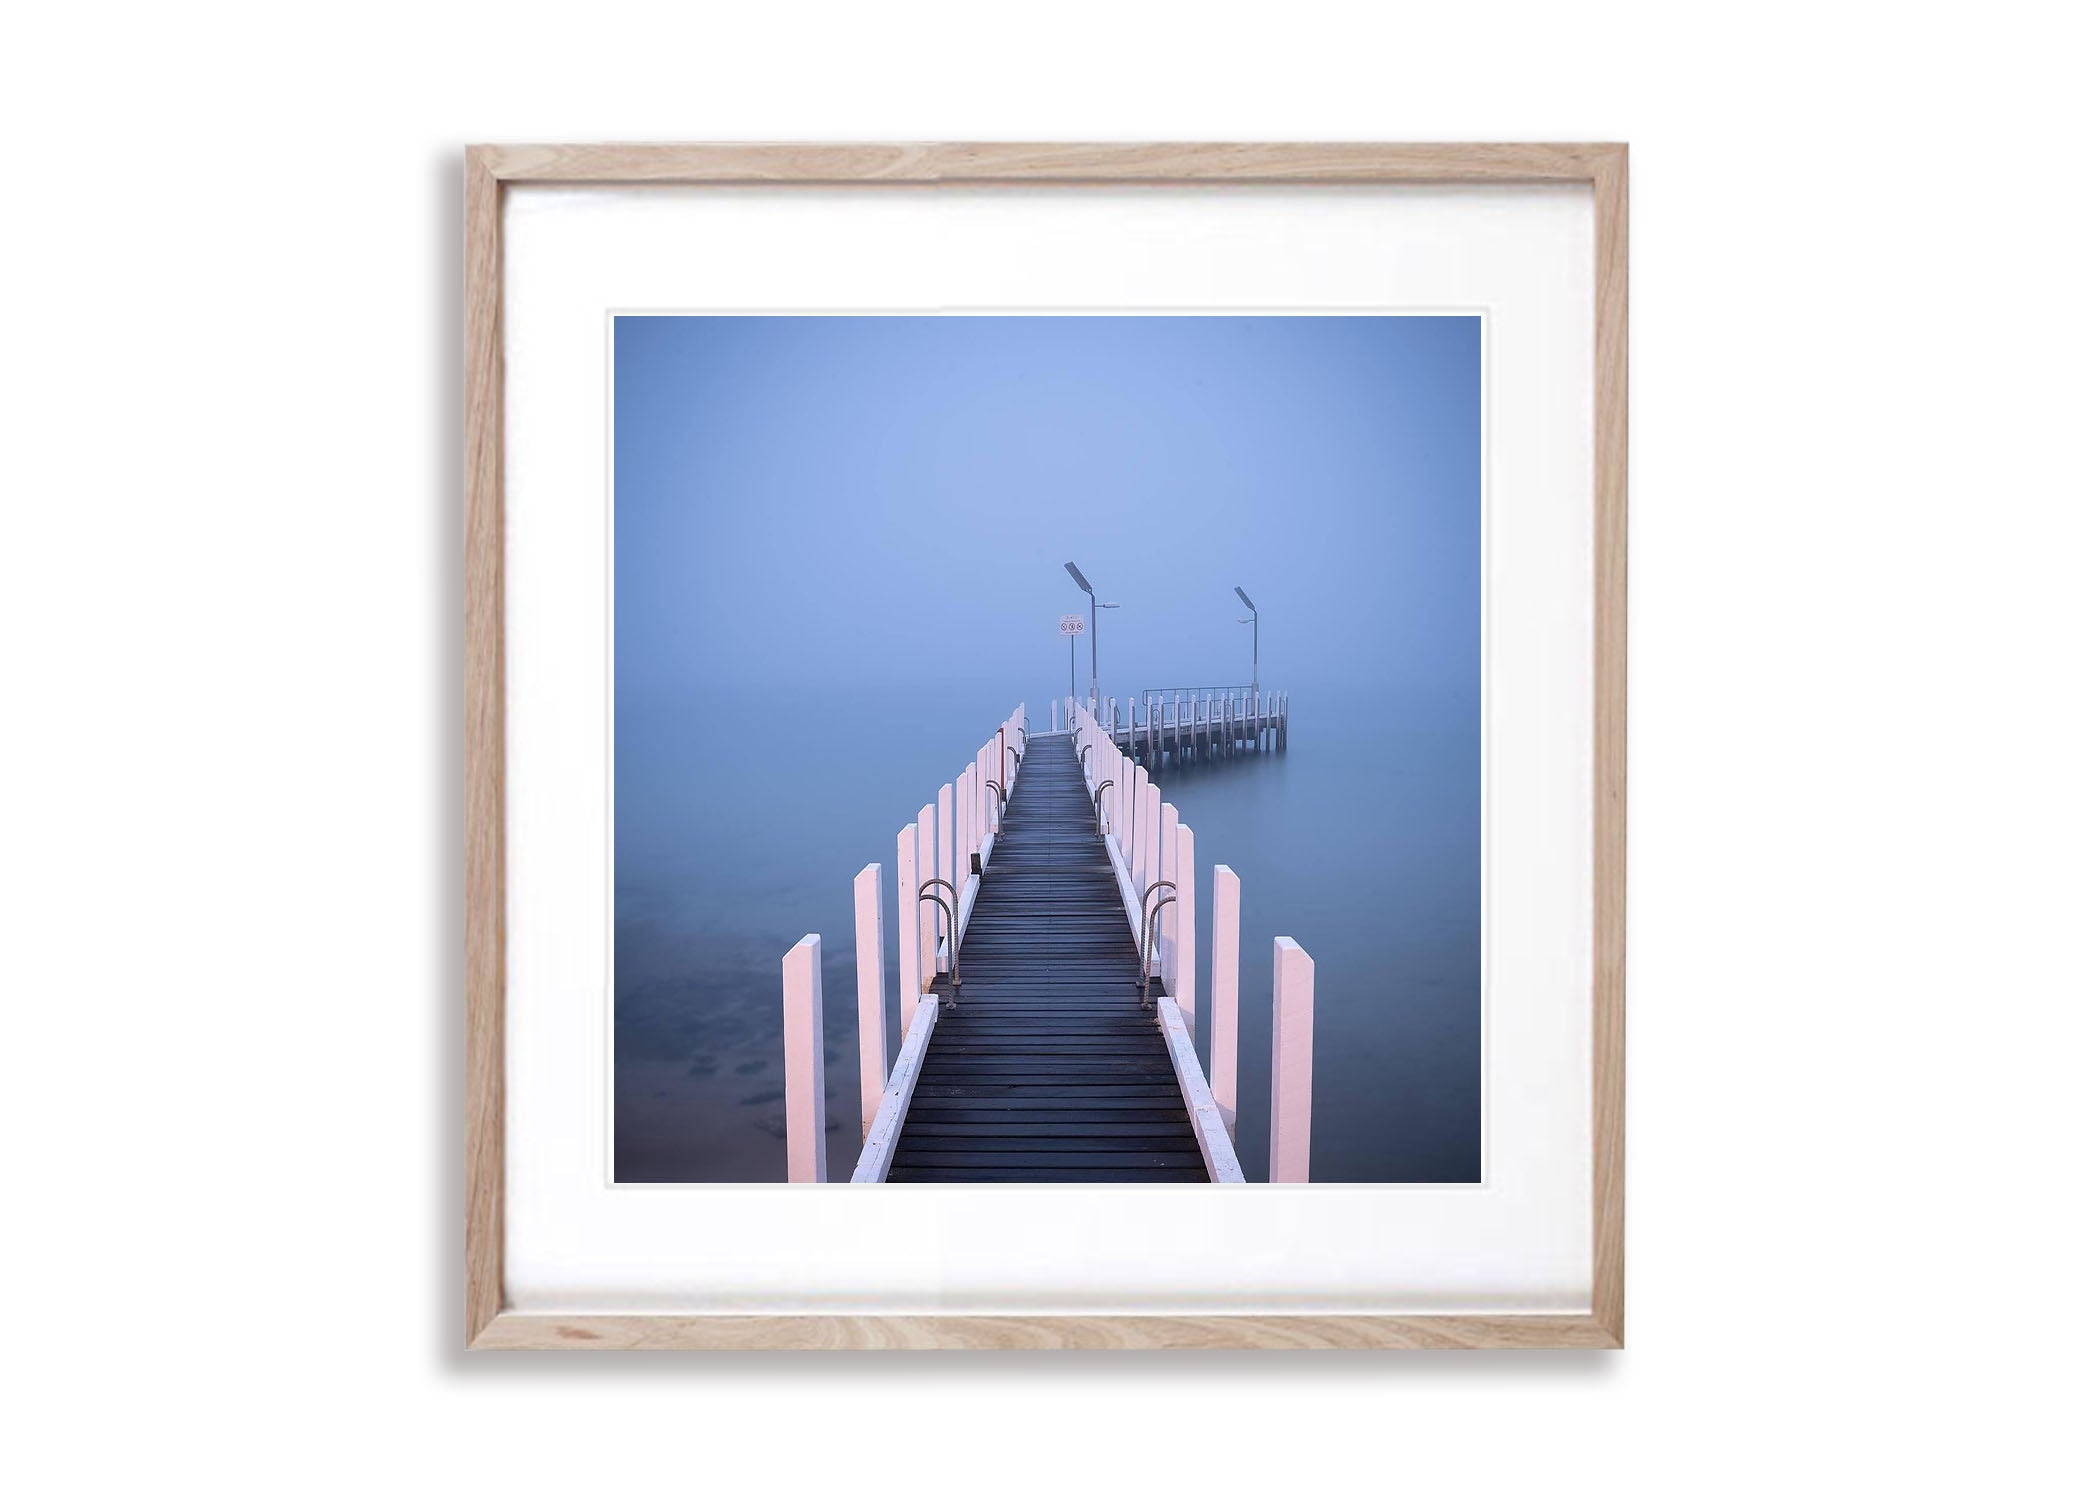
(867, 975)
(983, 796)
(1164, 940)
(1290, 1064)
(945, 797)
(929, 957)
(802, 1024)
(965, 828)
(1225, 994)
(1169, 847)
(1182, 983)
(911, 981)
(1128, 812)
(1140, 869)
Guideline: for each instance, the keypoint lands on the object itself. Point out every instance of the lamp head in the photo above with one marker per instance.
(1078, 577)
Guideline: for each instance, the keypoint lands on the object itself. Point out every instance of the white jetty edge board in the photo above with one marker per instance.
(881, 1149)
(1219, 1159)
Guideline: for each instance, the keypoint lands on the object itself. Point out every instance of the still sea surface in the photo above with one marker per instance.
(741, 819)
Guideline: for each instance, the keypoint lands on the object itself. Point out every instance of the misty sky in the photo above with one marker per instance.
(889, 501)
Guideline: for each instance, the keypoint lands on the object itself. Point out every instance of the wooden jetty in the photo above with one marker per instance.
(1047, 1064)
(1174, 726)
(1047, 987)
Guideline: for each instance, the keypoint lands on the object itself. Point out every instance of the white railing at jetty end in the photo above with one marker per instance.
(1176, 722)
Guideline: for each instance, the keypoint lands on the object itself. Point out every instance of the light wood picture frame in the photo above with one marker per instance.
(490, 172)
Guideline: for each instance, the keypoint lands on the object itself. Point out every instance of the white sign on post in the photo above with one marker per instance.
(1071, 624)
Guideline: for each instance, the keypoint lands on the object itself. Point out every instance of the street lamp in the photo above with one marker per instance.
(1254, 619)
(1072, 657)
(1093, 638)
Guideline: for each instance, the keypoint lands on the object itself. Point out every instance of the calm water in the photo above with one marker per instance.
(1362, 842)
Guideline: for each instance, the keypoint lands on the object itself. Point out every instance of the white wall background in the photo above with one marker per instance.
(1866, 654)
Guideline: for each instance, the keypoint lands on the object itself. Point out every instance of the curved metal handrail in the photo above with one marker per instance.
(1097, 802)
(954, 934)
(1148, 913)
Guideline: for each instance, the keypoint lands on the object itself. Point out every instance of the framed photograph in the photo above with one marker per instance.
(1045, 746)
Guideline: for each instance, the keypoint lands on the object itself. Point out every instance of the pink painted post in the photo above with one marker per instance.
(944, 799)
(1182, 983)
(1166, 930)
(867, 975)
(911, 978)
(1225, 994)
(802, 1027)
(1140, 866)
(1290, 1067)
(929, 963)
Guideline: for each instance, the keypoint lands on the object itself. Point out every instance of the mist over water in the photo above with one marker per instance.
(839, 548)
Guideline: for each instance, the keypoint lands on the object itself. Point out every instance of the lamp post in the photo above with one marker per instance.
(1094, 640)
(1254, 619)
(1104, 604)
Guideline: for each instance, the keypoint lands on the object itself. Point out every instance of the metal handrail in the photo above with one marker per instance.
(1149, 912)
(954, 931)
(1097, 804)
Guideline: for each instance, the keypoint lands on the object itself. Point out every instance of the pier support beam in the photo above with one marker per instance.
(1225, 994)
(802, 1023)
(1290, 1066)
(867, 978)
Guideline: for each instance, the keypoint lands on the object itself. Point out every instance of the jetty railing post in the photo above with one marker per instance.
(1184, 977)
(1290, 1066)
(1130, 803)
(1117, 825)
(929, 942)
(944, 800)
(911, 979)
(1169, 926)
(984, 793)
(1225, 994)
(1144, 864)
(867, 976)
(802, 1024)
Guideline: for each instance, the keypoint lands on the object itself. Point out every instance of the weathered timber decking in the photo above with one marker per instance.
(1048, 1069)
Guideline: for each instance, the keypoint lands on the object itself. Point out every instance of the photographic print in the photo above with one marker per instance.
(1047, 748)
